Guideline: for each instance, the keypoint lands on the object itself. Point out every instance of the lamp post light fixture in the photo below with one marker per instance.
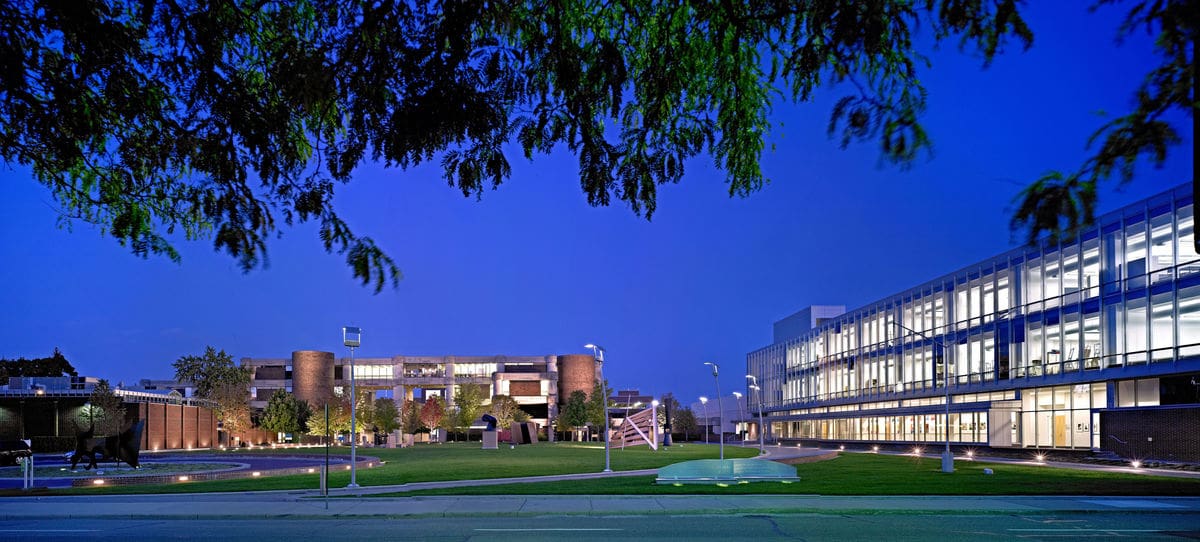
(741, 414)
(720, 406)
(352, 337)
(760, 417)
(598, 355)
(654, 420)
(947, 456)
(704, 405)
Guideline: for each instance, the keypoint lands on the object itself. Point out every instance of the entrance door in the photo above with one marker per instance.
(1060, 430)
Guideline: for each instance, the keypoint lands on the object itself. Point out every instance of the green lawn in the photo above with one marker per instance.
(870, 474)
(452, 461)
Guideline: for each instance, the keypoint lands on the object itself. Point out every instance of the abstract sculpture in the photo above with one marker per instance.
(122, 447)
(490, 421)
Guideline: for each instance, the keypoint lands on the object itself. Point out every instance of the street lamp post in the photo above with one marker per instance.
(947, 456)
(598, 355)
(352, 337)
(720, 406)
(704, 405)
(654, 414)
(760, 417)
(741, 414)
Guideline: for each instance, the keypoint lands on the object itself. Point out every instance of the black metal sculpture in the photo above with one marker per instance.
(123, 447)
(490, 421)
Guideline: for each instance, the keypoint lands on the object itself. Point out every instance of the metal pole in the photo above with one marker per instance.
(353, 426)
(325, 473)
(720, 413)
(761, 427)
(598, 357)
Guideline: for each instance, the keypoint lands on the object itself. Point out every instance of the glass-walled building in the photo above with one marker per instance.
(1091, 344)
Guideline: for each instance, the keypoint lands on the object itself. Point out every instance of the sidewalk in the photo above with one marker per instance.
(289, 506)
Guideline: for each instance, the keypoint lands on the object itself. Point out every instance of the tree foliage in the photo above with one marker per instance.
(385, 416)
(104, 411)
(685, 422)
(410, 418)
(55, 365)
(230, 121)
(575, 412)
(285, 413)
(507, 410)
(339, 419)
(468, 403)
(596, 403)
(215, 377)
(432, 412)
(1064, 203)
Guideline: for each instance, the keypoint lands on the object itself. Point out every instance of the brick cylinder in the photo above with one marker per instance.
(312, 376)
(575, 372)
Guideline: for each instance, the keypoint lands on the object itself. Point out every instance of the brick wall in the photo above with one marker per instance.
(176, 427)
(1166, 433)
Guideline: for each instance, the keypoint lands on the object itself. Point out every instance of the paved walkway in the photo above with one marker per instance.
(292, 506)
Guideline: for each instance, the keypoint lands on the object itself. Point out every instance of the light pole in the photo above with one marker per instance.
(760, 416)
(720, 407)
(598, 355)
(352, 337)
(654, 413)
(741, 414)
(947, 456)
(704, 405)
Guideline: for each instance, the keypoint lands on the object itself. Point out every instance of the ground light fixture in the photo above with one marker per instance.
(1136, 464)
(352, 338)
(598, 356)
(720, 405)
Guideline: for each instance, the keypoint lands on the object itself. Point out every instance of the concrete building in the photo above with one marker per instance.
(1091, 344)
(537, 383)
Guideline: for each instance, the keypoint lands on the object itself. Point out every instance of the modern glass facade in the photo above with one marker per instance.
(1029, 346)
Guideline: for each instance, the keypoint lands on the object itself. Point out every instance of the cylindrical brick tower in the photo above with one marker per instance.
(575, 372)
(312, 376)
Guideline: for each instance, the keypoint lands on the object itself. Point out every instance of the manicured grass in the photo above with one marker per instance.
(452, 461)
(870, 474)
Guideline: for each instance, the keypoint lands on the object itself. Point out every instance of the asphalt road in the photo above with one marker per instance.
(809, 527)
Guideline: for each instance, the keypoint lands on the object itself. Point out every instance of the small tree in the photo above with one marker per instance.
(339, 420)
(450, 422)
(216, 378)
(685, 422)
(410, 417)
(506, 410)
(386, 417)
(469, 403)
(433, 412)
(575, 412)
(595, 405)
(105, 413)
(285, 413)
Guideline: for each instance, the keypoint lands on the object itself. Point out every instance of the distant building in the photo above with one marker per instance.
(44, 409)
(537, 383)
(1092, 344)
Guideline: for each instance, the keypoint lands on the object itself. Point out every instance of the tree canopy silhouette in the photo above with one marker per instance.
(229, 120)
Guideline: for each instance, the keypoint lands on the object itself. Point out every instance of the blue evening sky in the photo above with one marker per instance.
(533, 270)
